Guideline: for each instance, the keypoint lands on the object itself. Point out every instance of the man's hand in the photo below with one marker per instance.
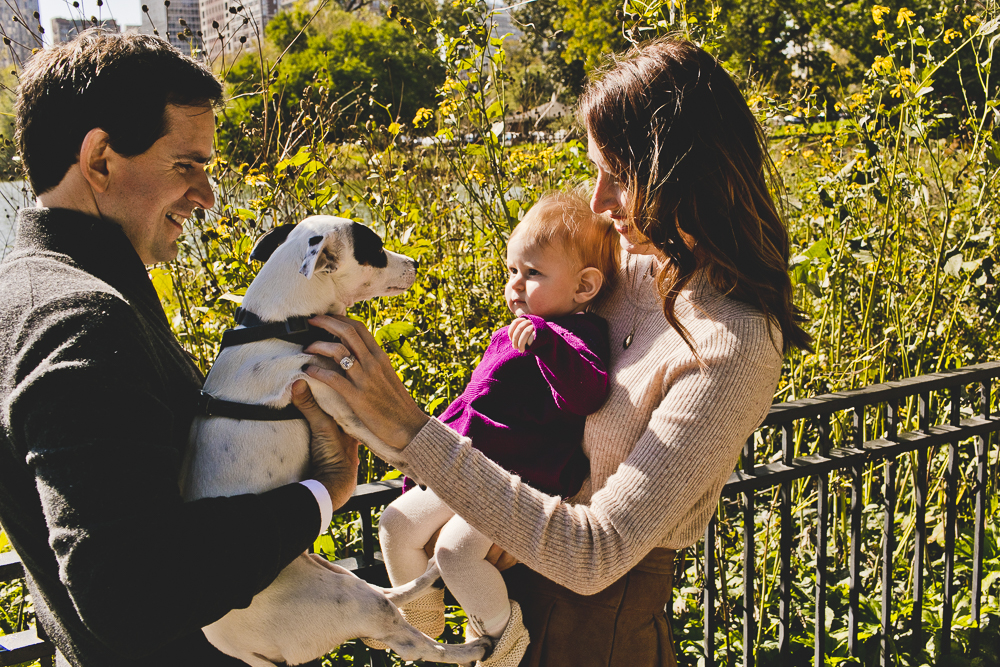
(333, 455)
(522, 333)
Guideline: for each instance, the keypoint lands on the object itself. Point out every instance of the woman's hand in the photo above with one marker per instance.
(333, 455)
(496, 556)
(369, 385)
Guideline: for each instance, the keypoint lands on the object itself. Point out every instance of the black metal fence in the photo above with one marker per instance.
(861, 437)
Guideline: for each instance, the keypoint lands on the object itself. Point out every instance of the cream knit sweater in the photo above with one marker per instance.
(660, 448)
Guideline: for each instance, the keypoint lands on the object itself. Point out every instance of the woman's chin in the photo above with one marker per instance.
(634, 248)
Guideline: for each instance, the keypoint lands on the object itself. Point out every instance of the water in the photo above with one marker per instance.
(13, 196)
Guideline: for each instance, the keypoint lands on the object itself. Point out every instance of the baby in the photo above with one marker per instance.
(524, 407)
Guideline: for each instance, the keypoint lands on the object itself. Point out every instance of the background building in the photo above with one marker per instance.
(247, 22)
(178, 21)
(19, 25)
(63, 30)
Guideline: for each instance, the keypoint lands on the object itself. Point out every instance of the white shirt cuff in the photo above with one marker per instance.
(325, 504)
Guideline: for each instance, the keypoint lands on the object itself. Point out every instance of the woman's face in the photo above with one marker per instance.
(611, 197)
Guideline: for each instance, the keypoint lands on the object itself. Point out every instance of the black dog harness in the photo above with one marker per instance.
(293, 330)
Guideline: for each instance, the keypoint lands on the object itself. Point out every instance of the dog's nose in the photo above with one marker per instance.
(416, 264)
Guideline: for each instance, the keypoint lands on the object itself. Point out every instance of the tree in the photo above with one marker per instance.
(593, 30)
(324, 68)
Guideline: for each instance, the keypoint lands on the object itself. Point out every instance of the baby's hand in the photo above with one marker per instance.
(522, 333)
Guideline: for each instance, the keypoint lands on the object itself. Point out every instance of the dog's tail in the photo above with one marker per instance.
(401, 595)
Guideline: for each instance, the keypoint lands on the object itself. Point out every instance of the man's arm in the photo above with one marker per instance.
(140, 566)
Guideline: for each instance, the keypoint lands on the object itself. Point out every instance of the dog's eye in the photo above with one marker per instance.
(315, 239)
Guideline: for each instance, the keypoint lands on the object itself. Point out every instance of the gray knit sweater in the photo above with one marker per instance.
(660, 448)
(96, 399)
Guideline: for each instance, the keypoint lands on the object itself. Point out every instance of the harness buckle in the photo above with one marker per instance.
(296, 325)
(204, 402)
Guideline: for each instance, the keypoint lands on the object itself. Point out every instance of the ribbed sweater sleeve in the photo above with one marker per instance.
(661, 449)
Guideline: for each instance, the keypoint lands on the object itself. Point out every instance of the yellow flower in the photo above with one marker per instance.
(882, 65)
(969, 20)
(881, 35)
(422, 117)
(951, 34)
(878, 11)
(904, 16)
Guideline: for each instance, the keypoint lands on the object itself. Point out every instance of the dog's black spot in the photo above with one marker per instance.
(269, 242)
(315, 239)
(405, 643)
(385, 604)
(270, 475)
(256, 368)
(368, 247)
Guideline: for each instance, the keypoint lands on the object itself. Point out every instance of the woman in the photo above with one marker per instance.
(699, 320)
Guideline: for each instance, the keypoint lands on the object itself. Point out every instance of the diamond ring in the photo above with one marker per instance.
(347, 362)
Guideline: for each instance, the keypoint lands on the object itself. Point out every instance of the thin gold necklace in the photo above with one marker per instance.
(635, 309)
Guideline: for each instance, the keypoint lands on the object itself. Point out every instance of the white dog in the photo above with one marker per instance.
(323, 266)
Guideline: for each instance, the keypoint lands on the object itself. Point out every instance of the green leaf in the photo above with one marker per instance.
(233, 296)
(953, 263)
(393, 338)
(164, 287)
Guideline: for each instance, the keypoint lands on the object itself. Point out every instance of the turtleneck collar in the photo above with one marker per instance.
(97, 246)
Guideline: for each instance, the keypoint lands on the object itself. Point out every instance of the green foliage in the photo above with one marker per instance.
(892, 210)
(594, 29)
(347, 67)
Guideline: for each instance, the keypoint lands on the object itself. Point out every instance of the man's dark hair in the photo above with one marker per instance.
(119, 83)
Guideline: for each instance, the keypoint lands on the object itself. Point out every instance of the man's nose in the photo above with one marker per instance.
(200, 193)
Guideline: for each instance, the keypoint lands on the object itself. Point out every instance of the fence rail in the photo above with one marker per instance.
(870, 439)
(858, 451)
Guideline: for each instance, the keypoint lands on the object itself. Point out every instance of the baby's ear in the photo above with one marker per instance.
(589, 283)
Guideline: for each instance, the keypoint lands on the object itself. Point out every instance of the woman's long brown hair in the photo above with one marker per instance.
(678, 134)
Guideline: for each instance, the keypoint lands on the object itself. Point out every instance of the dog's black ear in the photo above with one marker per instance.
(269, 242)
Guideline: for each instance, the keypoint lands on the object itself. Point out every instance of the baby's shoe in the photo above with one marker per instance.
(426, 614)
(510, 648)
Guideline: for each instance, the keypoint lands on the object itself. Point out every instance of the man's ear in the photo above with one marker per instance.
(590, 281)
(93, 160)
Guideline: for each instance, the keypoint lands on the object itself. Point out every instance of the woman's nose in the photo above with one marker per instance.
(603, 199)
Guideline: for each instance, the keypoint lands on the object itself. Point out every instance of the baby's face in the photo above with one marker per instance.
(541, 281)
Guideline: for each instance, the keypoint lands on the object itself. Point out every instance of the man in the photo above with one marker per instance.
(96, 395)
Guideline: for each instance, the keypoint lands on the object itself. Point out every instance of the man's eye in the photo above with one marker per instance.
(184, 166)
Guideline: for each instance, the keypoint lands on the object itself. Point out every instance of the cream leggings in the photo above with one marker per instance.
(406, 526)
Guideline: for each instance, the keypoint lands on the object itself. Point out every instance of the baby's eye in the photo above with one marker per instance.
(534, 272)
(512, 269)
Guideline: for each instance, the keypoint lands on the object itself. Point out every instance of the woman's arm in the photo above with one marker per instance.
(664, 492)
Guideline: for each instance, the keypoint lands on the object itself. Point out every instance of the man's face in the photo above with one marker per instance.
(152, 194)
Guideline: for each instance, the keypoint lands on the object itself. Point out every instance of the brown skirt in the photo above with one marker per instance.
(625, 625)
